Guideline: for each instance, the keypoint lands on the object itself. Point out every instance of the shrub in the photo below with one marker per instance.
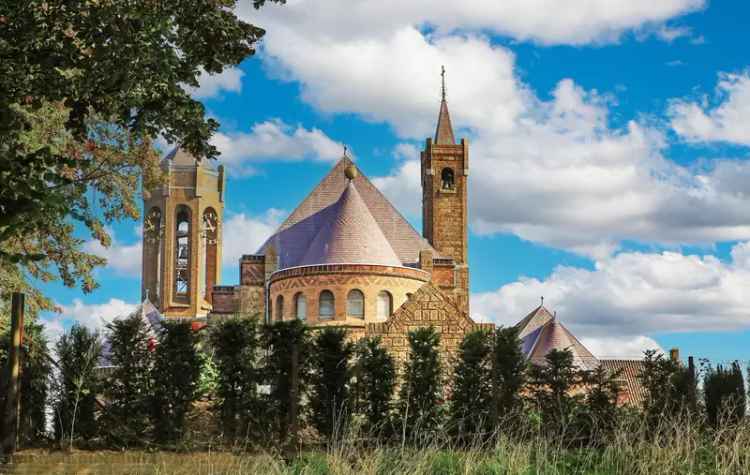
(724, 394)
(176, 373)
(669, 389)
(330, 378)
(78, 352)
(375, 381)
(602, 389)
(237, 356)
(34, 384)
(421, 393)
(555, 389)
(128, 389)
(288, 372)
(472, 396)
(509, 374)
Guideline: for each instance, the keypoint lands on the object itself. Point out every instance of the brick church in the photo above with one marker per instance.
(344, 257)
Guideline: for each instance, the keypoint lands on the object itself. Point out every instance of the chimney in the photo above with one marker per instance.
(674, 355)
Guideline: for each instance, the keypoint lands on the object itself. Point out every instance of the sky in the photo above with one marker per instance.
(609, 146)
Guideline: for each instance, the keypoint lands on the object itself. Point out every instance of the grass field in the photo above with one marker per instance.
(687, 453)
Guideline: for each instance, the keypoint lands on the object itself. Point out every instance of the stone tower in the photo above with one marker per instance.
(445, 172)
(182, 235)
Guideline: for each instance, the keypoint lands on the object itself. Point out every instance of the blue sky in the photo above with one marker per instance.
(609, 154)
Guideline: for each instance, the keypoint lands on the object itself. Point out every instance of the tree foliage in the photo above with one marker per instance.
(509, 374)
(129, 386)
(670, 389)
(375, 382)
(35, 379)
(237, 355)
(421, 392)
(287, 366)
(472, 401)
(330, 381)
(130, 63)
(724, 394)
(78, 353)
(175, 380)
(556, 391)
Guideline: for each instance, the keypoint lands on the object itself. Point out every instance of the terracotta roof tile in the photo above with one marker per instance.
(554, 336)
(631, 383)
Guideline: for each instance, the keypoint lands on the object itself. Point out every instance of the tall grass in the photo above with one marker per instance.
(682, 446)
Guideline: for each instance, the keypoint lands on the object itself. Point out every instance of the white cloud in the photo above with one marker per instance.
(620, 347)
(212, 85)
(573, 22)
(633, 294)
(244, 234)
(551, 171)
(274, 140)
(91, 316)
(726, 121)
(124, 259)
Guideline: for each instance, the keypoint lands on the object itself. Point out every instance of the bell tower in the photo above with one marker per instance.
(182, 235)
(445, 173)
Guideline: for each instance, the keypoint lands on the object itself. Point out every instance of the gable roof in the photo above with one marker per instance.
(350, 235)
(293, 238)
(629, 378)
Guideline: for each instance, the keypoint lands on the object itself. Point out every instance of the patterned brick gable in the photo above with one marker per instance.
(429, 306)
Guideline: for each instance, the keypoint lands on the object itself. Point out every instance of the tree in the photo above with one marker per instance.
(78, 352)
(724, 394)
(176, 372)
(56, 250)
(602, 390)
(330, 381)
(237, 355)
(555, 390)
(58, 52)
(472, 397)
(509, 374)
(421, 393)
(287, 367)
(669, 389)
(35, 376)
(375, 381)
(129, 386)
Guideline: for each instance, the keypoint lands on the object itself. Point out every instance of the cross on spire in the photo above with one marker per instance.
(442, 79)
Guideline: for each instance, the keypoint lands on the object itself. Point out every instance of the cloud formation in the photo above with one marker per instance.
(635, 293)
(124, 259)
(91, 316)
(274, 140)
(244, 234)
(723, 118)
(213, 85)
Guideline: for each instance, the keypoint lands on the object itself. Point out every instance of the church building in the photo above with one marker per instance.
(344, 257)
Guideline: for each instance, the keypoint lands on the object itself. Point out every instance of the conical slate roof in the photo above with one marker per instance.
(554, 336)
(350, 235)
(294, 237)
(444, 130)
(534, 320)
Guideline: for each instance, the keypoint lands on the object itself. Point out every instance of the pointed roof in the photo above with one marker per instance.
(294, 237)
(350, 235)
(180, 157)
(554, 336)
(444, 130)
(534, 320)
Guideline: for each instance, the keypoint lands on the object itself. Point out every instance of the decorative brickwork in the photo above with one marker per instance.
(429, 306)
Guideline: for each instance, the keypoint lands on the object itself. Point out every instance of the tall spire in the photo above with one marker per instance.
(444, 130)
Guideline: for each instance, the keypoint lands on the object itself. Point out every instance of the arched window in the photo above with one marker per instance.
(448, 179)
(384, 305)
(152, 254)
(279, 308)
(326, 305)
(210, 234)
(355, 304)
(182, 253)
(300, 306)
